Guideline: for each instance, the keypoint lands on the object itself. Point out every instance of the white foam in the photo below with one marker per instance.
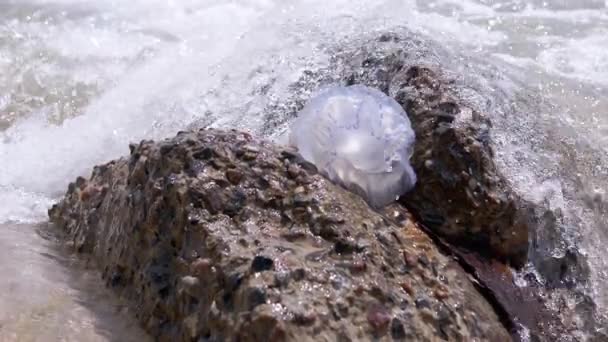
(580, 59)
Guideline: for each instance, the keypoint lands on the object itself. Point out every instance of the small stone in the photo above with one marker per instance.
(257, 296)
(358, 266)
(234, 176)
(423, 260)
(300, 213)
(359, 290)
(281, 279)
(472, 184)
(201, 266)
(422, 303)
(190, 283)
(427, 316)
(329, 232)
(191, 323)
(441, 293)
(214, 312)
(407, 287)
(88, 192)
(346, 246)
(308, 167)
(342, 308)
(234, 202)
(410, 260)
(295, 235)
(204, 153)
(249, 156)
(397, 329)
(81, 182)
(304, 318)
(261, 263)
(251, 149)
(293, 170)
(298, 274)
(378, 317)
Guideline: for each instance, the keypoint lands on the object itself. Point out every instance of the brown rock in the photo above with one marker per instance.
(198, 258)
(460, 193)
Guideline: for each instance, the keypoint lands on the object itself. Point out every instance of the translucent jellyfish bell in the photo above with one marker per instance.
(360, 138)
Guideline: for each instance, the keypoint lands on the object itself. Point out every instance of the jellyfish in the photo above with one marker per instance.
(360, 138)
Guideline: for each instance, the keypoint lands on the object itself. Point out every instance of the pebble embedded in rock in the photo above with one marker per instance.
(234, 176)
(378, 317)
(257, 296)
(261, 263)
(201, 266)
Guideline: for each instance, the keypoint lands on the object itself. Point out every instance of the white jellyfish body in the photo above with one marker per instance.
(360, 138)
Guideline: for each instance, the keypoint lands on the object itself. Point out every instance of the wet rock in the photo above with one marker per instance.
(201, 257)
(460, 193)
(462, 196)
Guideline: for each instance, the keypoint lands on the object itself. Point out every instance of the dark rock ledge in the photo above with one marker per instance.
(216, 235)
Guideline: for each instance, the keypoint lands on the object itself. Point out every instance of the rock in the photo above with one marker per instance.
(449, 97)
(460, 193)
(378, 317)
(463, 198)
(199, 257)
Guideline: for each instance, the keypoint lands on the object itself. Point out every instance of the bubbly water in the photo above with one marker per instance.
(360, 138)
(80, 80)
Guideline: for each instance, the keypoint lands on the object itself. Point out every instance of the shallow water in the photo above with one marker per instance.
(80, 80)
(46, 295)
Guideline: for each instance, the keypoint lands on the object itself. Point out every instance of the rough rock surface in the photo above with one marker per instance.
(216, 236)
(460, 194)
(557, 278)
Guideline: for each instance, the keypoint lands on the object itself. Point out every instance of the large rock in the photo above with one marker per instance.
(216, 236)
(461, 109)
(460, 192)
(458, 113)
